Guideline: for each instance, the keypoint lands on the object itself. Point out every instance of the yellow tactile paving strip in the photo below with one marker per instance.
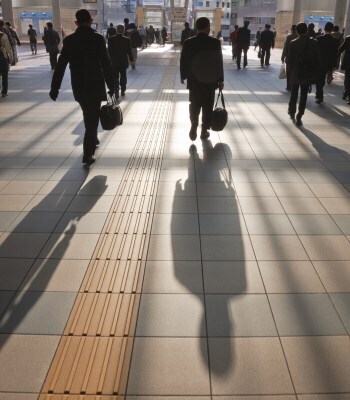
(93, 357)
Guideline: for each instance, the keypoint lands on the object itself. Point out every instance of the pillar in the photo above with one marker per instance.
(56, 14)
(347, 22)
(339, 13)
(7, 10)
(297, 11)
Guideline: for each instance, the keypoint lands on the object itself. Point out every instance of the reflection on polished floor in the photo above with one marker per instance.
(173, 270)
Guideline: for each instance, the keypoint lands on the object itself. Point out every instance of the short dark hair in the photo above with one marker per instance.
(126, 20)
(186, 24)
(267, 26)
(294, 27)
(8, 23)
(329, 27)
(336, 28)
(236, 26)
(30, 26)
(111, 24)
(311, 26)
(246, 23)
(132, 26)
(49, 25)
(301, 28)
(202, 23)
(83, 16)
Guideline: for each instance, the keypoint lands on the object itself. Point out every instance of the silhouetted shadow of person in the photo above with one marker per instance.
(45, 263)
(220, 244)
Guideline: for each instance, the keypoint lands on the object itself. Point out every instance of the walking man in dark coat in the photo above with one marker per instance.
(329, 50)
(202, 65)
(243, 43)
(119, 49)
(267, 41)
(346, 67)
(186, 33)
(284, 58)
(303, 60)
(90, 67)
(51, 40)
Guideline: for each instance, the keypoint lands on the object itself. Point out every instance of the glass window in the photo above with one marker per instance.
(218, 4)
(228, 4)
(207, 4)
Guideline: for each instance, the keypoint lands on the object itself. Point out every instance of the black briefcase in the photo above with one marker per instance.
(219, 115)
(111, 114)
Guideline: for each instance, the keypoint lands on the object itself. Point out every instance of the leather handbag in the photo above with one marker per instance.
(111, 114)
(219, 115)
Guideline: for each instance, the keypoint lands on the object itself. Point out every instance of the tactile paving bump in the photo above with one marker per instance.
(77, 397)
(89, 365)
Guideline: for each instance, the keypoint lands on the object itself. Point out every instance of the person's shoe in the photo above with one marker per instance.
(32, 52)
(122, 93)
(97, 142)
(292, 115)
(318, 101)
(204, 134)
(193, 132)
(348, 102)
(238, 67)
(345, 95)
(4, 94)
(267, 64)
(298, 121)
(88, 160)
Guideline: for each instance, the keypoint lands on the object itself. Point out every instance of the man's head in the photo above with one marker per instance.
(8, 24)
(203, 25)
(301, 28)
(111, 25)
(126, 21)
(236, 27)
(187, 25)
(83, 17)
(328, 27)
(132, 26)
(1, 23)
(336, 28)
(49, 25)
(267, 26)
(294, 28)
(120, 29)
(311, 26)
(30, 26)
(246, 23)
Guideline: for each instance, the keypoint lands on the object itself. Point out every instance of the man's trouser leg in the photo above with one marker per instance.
(347, 83)
(208, 99)
(53, 59)
(268, 54)
(320, 85)
(262, 59)
(303, 99)
(4, 76)
(293, 100)
(91, 115)
(134, 56)
(288, 71)
(245, 61)
(116, 81)
(239, 55)
(123, 79)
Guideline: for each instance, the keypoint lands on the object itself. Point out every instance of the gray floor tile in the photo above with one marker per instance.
(334, 205)
(335, 275)
(12, 272)
(175, 224)
(343, 221)
(6, 218)
(319, 364)
(314, 225)
(18, 396)
(239, 315)
(55, 275)
(49, 203)
(232, 277)
(293, 205)
(341, 302)
(14, 202)
(173, 277)
(238, 366)
(326, 247)
(218, 205)
(226, 248)
(278, 247)
(29, 243)
(22, 187)
(222, 224)
(260, 205)
(299, 190)
(284, 176)
(91, 204)
(174, 247)
(33, 221)
(167, 364)
(329, 190)
(327, 396)
(274, 397)
(182, 205)
(35, 353)
(254, 189)
(44, 313)
(91, 222)
(5, 299)
(176, 315)
(290, 277)
(305, 314)
(79, 246)
(268, 224)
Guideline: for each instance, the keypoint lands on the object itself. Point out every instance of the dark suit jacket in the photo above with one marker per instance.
(90, 66)
(267, 39)
(243, 37)
(119, 48)
(201, 61)
(346, 60)
(285, 51)
(300, 49)
(51, 40)
(329, 49)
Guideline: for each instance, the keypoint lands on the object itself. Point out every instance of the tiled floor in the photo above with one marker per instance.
(246, 286)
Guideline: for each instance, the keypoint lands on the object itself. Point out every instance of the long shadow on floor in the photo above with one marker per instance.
(213, 188)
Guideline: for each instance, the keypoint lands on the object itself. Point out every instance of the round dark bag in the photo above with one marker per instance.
(219, 115)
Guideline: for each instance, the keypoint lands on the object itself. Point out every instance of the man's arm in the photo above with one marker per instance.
(273, 41)
(221, 67)
(184, 59)
(106, 64)
(58, 74)
(131, 58)
(7, 46)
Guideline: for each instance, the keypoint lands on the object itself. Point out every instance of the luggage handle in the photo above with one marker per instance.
(222, 99)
